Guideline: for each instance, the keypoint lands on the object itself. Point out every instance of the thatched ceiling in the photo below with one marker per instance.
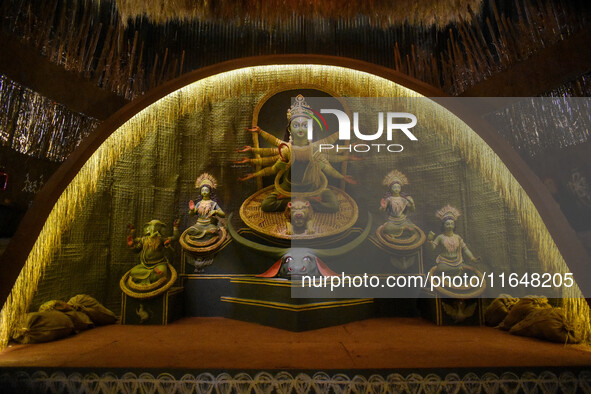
(117, 44)
(426, 13)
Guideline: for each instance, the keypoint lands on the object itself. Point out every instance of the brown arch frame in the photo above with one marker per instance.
(21, 244)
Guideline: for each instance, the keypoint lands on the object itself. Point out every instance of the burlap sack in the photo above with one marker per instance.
(547, 323)
(44, 327)
(99, 315)
(55, 305)
(498, 310)
(80, 320)
(521, 309)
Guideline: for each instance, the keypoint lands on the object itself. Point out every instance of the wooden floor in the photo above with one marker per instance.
(204, 343)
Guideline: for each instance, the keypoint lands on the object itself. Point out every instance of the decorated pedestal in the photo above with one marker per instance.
(405, 260)
(269, 302)
(445, 311)
(194, 263)
(162, 309)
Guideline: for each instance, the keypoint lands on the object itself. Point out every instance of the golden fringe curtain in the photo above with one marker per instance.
(259, 80)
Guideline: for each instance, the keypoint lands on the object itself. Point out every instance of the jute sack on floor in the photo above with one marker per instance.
(547, 323)
(55, 305)
(522, 309)
(80, 320)
(99, 315)
(498, 310)
(44, 327)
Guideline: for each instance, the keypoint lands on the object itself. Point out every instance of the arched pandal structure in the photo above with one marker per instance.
(230, 91)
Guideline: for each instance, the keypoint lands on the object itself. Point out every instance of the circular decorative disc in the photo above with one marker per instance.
(274, 224)
(207, 246)
(411, 243)
(147, 291)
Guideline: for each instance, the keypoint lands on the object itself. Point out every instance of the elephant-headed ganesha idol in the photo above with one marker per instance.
(154, 274)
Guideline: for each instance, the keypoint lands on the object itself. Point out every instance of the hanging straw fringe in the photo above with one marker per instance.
(89, 37)
(425, 13)
(258, 81)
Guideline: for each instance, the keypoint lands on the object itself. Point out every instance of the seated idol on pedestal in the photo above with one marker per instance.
(399, 233)
(154, 274)
(207, 210)
(452, 247)
(396, 205)
(208, 233)
(450, 260)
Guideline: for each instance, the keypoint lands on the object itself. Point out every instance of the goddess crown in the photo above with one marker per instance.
(395, 176)
(448, 212)
(299, 108)
(206, 179)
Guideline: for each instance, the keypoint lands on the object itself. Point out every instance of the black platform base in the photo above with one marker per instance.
(269, 302)
(162, 309)
(452, 311)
